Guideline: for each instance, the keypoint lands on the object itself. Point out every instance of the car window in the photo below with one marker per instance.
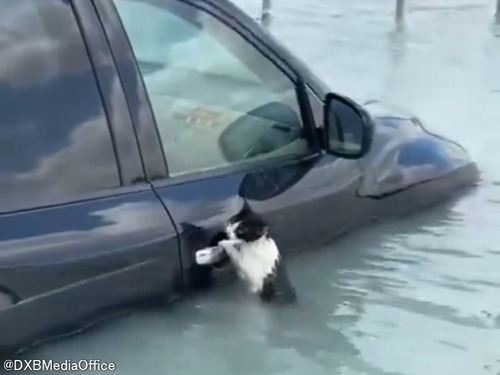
(217, 100)
(55, 142)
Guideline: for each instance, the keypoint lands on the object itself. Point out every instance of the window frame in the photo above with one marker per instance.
(130, 164)
(302, 96)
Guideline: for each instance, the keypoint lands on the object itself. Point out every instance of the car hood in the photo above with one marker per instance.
(404, 152)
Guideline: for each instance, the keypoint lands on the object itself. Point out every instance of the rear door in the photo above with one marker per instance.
(235, 125)
(80, 229)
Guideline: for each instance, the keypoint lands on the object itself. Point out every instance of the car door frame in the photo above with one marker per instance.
(148, 132)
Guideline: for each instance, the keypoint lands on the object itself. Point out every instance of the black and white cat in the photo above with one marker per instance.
(256, 257)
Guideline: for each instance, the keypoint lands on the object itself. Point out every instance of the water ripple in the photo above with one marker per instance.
(434, 311)
(450, 252)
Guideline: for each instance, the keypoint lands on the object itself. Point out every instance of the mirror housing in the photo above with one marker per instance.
(348, 128)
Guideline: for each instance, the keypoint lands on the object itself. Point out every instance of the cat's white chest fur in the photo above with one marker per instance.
(254, 260)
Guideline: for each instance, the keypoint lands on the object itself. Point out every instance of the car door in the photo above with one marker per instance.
(235, 125)
(81, 232)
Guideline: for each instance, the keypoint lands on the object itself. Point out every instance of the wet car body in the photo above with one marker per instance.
(65, 263)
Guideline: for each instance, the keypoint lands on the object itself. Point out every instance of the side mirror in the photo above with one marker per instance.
(348, 128)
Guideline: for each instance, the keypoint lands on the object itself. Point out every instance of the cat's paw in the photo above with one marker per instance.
(210, 255)
(231, 244)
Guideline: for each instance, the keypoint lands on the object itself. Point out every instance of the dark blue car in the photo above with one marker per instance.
(130, 131)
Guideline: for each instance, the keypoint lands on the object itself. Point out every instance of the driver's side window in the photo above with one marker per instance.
(216, 99)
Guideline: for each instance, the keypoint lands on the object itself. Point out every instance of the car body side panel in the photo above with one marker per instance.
(63, 264)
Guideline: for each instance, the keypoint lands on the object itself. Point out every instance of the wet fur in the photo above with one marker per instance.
(256, 257)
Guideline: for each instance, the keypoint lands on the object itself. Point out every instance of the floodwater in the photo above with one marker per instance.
(416, 296)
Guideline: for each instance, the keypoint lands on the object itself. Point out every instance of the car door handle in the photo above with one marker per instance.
(209, 255)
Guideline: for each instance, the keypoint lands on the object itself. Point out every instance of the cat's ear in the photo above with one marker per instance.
(244, 212)
(265, 231)
(245, 209)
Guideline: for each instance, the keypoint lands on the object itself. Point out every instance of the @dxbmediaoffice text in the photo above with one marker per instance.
(51, 365)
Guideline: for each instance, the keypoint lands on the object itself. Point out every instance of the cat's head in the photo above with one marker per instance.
(247, 230)
(247, 226)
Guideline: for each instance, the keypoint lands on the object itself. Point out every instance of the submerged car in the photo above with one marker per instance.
(132, 130)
